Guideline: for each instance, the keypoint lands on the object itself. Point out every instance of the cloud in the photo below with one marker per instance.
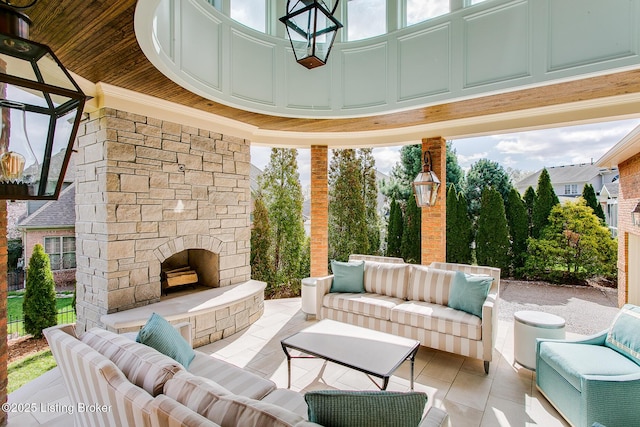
(386, 158)
(466, 161)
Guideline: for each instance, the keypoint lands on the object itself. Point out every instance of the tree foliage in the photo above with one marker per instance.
(589, 195)
(574, 242)
(482, 174)
(529, 199)
(459, 235)
(492, 239)
(348, 233)
(39, 304)
(261, 239)
(411, 233)
(370, 196)
(518, 221)
(403, 173)
(394, 230)
(282, 193)
(455, 174)
(546, 199)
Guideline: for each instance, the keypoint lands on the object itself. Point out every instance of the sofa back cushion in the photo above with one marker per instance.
(143, 366)
(430, 284)
(228, 410)
(386, 278)
(623, 335)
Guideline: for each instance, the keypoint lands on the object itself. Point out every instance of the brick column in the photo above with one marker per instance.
(434, 218)
(319, 211)
(4, 349)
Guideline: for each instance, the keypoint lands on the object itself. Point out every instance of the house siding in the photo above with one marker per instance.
(628, 198)
(63, 278)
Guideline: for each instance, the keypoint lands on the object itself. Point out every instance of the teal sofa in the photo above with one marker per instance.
(597, 379)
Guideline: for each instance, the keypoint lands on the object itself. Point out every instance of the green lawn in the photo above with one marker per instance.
(14, 312)
(22, 371)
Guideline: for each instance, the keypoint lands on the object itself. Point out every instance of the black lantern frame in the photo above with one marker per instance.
(41, 108)
(307, 23)
(426, 184)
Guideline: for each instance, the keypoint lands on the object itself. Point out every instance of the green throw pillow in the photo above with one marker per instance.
(347, 276)
(623, 335)
(161, 335)
(337, 408)
(468, 292)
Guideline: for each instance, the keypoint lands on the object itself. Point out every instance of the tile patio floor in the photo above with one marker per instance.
(506, 397)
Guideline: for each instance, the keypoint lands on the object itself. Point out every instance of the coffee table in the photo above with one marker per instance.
(375, 353)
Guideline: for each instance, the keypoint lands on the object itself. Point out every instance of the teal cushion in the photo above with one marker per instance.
(468, 292)
(161, 335)
(624, 334)
(574, 361)
(335, 408)
(347, 276)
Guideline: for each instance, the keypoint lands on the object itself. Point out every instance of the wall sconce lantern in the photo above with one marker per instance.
(426, 184)
(312, 30)
(41, 108)
(635, 215)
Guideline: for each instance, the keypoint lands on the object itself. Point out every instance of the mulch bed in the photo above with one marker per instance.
(22, 347)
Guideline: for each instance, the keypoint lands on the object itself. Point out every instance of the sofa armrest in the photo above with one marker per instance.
(597, 339)
(434, 417)
(323, 286)
(185, 330)
(490, 322)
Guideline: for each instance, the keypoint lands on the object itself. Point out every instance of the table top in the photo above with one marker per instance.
(539, 319)
(371, 351)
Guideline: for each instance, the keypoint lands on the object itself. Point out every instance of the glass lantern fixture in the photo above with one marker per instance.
(41, 109)
(312, 30)
(635, 215)
(426, 184)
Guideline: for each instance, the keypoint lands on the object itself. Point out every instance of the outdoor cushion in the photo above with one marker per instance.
(435, 317)
(347, 276)
(144, 366)
(365, 408)
(213, 402)
(386, 278)
(623, 335)
(168, 412)
(573, 360)
(161, 335)
(287, 399)
(372, 305)
(235, 379)
(468, 292)
(429, 284)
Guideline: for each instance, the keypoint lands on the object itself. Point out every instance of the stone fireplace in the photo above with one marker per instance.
(151, 192)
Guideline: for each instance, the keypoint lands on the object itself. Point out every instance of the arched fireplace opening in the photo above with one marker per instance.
(191, 267)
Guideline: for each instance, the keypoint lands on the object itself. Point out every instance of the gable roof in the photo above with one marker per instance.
(568, 174)
(59, 213)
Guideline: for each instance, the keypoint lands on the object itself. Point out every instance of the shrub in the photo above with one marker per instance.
(39, 305)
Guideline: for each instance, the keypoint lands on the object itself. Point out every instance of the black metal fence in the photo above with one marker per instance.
(15, 280)
(15, 326)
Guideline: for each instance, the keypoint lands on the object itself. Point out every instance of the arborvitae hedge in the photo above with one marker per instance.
(518, 221)
(589, 196)
(394, 230)
(546, 199)
(39, 304)
(411, 232)
(459, 235)
(492, 239)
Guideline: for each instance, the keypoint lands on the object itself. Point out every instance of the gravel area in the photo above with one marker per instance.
(587, 310)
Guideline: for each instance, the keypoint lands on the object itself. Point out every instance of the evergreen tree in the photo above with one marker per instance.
(394, 230)
(485, 173)
(261, 236)
(403, 173)
(589, 196)
(546, 199)
(370, 196)
(347, 211)
(529, 201)
(282, 193)
(492, 240)
(455, 174)
(39, 304)
(411, 232)
(459, 235)
(518, 229)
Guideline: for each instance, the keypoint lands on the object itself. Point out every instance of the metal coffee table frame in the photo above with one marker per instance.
(352, 340)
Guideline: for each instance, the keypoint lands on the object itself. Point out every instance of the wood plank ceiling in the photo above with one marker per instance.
(95, 39)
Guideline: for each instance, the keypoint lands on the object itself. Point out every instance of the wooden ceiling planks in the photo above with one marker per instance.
(95, 39)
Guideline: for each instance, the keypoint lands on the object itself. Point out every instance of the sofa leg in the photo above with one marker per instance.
(486, 367)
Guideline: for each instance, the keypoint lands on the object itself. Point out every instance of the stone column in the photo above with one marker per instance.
(4, 349)
(434, 218)
(319, 211)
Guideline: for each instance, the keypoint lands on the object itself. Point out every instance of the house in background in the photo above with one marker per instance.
(608, 198)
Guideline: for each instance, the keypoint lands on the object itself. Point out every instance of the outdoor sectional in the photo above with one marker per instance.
(413, 301)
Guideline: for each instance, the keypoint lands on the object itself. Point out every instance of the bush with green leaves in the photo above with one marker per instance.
(459, 232)
(394, 230)
(574, 246)
(39, 304)
(518, 221)
(411, 245)
(492, 239)
(546, 199)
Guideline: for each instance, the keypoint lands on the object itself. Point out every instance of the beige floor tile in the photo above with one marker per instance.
(460, 415)
(542, 411)
(470, 390)
(443, 367)
(501, 412)
(513, 383)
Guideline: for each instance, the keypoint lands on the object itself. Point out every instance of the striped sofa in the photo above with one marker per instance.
(115, 381)
(411, 301)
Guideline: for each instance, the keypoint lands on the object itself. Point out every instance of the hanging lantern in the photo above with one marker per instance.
(312, 30)
(426, 184)
(41, 109)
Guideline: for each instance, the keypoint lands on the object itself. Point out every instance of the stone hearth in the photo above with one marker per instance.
(147, 190)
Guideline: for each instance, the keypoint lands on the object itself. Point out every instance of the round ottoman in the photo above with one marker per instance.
(530, 325)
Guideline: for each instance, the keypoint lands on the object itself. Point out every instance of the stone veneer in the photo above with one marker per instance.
(146, 189)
